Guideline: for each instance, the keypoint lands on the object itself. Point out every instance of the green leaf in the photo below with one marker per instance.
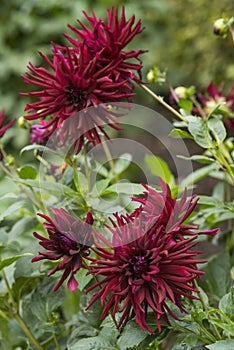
(81, 183)
(45, 150)
(180, 134)
(8, 261)
(159, 167)
(226, 304)
(92, 343)
(50, 187)
(218, 274)
(122, 163)
(83, 279)
(185, 342)
(217, 129)
(12, 209)
(197, 175)
(187, 105)
(199, 158)
(27, 172)
(127, 188)
(99, 187)
(198, 128)
(221, 345)
(131, 336)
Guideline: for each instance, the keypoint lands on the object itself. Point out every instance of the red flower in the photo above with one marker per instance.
(216, 96)
(69, 240)
(158, 265)
(37, 132)
(94, 73)
(108, 41)
(3, 129)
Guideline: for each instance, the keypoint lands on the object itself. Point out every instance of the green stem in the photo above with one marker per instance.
(56, 342)
(215, 329)
(96, 279)
(16, 315)
(163, 103)
(108, 154)
(27, 332)
(87, 170)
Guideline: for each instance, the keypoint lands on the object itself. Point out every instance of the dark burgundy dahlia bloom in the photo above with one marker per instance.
(157, 266)
(69, 241)
(3, 129)
(95, 73)
(216, 96)
(109, 41)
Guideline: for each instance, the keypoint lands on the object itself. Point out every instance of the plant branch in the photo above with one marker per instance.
(163, 103)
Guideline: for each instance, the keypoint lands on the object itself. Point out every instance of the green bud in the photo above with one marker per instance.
(156, 76)
(221, 27)
(10, 159)
(181, 92)
(185, 93)
(22, 123)
(229, 145)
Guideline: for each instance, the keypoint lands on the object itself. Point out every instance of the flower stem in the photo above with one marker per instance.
(108, 154)
(15, 314)
(163, 103)
(27, 332)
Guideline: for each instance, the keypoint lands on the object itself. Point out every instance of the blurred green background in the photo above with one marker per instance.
(178, 36)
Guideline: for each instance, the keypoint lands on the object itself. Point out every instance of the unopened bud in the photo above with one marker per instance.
(10, 159)
(22, 122)
(183, 92)
(156, 76)
(221, 27)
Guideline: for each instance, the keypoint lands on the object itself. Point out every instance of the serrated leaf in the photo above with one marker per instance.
(9, 261)
(226, 304)
(185, 342)
(217, 129)
(199, 130)
(83, 279)
(218, 274)
(159, 167)
(131, 336)
(180, 134)
(221, 345)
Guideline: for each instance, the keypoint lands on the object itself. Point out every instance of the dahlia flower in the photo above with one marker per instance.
(108, 41)
(3, 129)
(94, 73)
(69, 241)
(216, 96)
(153, 265)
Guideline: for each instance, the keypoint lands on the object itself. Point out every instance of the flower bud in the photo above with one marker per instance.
(156, 76)
(183, 92)
(10, 159)
(22, 123)
(221, 27)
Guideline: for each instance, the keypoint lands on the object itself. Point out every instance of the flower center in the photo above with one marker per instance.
(65, 244)
(76, 97)
(139, 265)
